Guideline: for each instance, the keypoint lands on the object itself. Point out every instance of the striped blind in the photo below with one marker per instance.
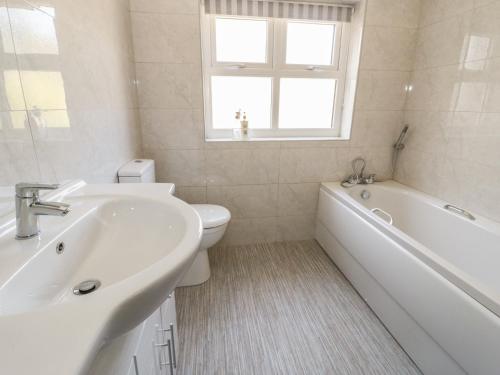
(279, 9)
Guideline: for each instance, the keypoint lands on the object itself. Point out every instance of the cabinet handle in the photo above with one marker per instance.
(172, 339)
(136, 366)
(172, 335)
(170, 362)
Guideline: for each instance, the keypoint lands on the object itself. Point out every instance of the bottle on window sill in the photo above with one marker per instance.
(244, 126)
(237, 129)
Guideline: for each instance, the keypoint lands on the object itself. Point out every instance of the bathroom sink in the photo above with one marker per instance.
(135, 241)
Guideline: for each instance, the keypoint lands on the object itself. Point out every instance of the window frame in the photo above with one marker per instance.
(275, 68)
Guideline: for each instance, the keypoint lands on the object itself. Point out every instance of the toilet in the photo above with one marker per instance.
(214, 218)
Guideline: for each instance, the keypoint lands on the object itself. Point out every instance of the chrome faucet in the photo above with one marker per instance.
(358, 177)
(29, 207)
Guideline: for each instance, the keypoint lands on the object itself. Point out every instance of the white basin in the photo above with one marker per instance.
(136, 239)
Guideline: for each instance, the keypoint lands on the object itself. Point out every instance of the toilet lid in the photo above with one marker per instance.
(212, 216)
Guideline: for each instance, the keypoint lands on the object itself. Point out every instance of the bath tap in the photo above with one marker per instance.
(29, 207)
(358, 177)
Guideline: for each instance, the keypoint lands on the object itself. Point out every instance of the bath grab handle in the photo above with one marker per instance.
(378, 211)
(459, 211)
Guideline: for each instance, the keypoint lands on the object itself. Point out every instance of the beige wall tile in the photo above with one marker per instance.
(240, 145)
(246, 201)
(444, 43)
(453, 108)
(376, 128)
(296, 228)
(169, 86)
(485, 28)
(386, 48)
(165, 6)
(247, 231)
(181, 167)
(382, 90)
(429, 130)
(315, 144)
(192, 194)
(482, 3)
(393, 13)
(242, 167)
(435, 89)
(298, 199)
(166, 38)
(312, 165)
(492, 79)
(172, 128)
(435, 10)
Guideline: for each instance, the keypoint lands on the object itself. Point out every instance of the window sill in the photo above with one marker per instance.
(276, 139)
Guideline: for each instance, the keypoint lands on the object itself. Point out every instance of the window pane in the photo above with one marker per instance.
(306, 103)
(309, 43)
(239, 40)
(250, 94)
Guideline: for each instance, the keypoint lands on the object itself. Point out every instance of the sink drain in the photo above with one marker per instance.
(86, 287)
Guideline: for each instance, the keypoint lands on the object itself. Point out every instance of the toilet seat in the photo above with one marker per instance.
(212, 216)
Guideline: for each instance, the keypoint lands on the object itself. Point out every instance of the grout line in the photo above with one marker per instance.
(435, 67)
(164, 13)
(167, 63)
(413, 28)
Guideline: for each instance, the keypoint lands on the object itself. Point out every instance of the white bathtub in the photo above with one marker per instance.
(432, 277)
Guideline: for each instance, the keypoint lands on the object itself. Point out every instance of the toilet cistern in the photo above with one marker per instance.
(29, 207)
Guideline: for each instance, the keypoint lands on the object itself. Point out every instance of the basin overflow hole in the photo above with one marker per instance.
(60, 247)
(365, 194)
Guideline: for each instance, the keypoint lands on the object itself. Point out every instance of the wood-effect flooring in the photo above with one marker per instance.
(281, 308)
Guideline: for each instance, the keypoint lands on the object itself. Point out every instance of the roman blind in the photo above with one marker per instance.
(279, 9)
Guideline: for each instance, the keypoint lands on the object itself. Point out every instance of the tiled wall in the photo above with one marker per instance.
(68, 105)
(271, 188)
(454, 109)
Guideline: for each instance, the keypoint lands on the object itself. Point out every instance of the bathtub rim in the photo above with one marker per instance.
(478, 291)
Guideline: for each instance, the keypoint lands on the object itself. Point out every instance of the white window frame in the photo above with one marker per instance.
(275, 68)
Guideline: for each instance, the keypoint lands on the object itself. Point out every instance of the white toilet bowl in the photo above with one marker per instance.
(215, 220)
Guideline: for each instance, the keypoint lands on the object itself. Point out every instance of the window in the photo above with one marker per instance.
(288, 76)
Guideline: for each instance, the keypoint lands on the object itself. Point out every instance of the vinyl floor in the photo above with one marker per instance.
(281, 308)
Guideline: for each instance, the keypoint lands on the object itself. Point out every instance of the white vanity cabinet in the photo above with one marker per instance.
(148, 349)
